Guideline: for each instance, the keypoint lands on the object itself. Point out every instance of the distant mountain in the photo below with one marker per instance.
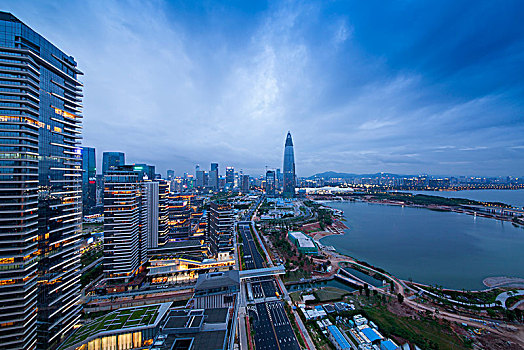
(334, 174)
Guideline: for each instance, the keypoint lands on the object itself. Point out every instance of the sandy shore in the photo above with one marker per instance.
(503, 281)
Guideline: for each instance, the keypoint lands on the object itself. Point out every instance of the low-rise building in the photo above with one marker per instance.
(337, 338)
(126, 328)
(304, 244)
(388, 344)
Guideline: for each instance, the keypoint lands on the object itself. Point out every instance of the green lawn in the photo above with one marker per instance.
(426, 333)
(330, 294)
(296, 275)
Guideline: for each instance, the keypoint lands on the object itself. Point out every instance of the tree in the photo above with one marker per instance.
(400, 298)
(518, 314)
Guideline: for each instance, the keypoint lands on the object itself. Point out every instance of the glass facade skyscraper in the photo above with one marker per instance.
(88, 179)
(270, 182)
(112, 159)
(230, 176)
(289, 168)
(213, 176)
(40, 188)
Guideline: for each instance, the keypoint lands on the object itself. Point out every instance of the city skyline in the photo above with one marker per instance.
(440, 101)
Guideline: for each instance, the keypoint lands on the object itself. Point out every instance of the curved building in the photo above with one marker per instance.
(289, 168)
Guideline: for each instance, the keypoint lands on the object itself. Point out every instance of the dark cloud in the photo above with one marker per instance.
(364, 86)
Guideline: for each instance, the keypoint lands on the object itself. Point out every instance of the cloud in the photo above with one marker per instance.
(175, 84)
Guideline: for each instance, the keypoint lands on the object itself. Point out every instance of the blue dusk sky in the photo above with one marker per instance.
(364, 86)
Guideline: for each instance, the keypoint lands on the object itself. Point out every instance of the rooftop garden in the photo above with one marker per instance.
(116, 320)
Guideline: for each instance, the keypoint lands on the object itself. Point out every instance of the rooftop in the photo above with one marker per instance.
(339, 338)
(122, 320)
(388, 345)
(217, 280)
(371, 334)
(203, 329)
(303, 240)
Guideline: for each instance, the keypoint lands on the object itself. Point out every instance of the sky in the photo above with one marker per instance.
(407, 87)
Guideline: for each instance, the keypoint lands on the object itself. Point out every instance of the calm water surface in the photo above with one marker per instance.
(449, 249)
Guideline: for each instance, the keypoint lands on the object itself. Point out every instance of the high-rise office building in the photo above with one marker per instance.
(88, 179)
(270, 183)
(121, 225)
(112, 159)
(149, 215)
(220, 230)
(170, 174)
(40, 191)
(213, 176)
(145, 171)
(201, 179)
(99, 189)
(179, 211)
(163, 212)
(230, 177)
(244, 183)
(279, 179)
(289, 168)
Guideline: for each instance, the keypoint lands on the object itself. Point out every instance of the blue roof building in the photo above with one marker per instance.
(337, 338)
(371, 334)
(388, 345)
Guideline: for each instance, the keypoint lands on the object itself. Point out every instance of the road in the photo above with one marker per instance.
(271, 326)
(502, 297)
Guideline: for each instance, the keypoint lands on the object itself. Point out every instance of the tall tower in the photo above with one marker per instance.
(40, 189)
(213, 176)
(289, 168)
(122, 256)
(88, 179)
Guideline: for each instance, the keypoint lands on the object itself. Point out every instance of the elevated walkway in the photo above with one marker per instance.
(263, 272)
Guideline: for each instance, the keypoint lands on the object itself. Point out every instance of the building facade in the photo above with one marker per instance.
(163, 211)
(270, 183)
(289, 176)
(213, 176)
(122, 253)
(230, 177)
(149, 214)
(244, 183)
(112, 159)
(88, 179)
(220, 230)
(40, 188)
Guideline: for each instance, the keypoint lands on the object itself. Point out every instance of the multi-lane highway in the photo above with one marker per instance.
(271, 326)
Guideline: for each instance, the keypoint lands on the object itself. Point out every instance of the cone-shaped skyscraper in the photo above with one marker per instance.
(289, 168)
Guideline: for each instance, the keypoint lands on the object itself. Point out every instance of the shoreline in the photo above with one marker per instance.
(335, 229)
(489, 283)
(434, 207)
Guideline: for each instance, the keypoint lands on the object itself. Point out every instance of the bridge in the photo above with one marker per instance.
(263, 272)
